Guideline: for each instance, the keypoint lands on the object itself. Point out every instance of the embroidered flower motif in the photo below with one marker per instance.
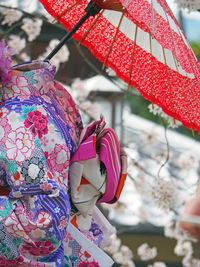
(27, 224)
(57, 210)
(67, 237)
(43, 219)
(40, 248)
(14, 228)
(19, 144)
(44, 141)
(45, 186)
(12, 117)
(95, 229)
(5, 129)
(4, 112)
(17, 179)
(59, 160)
(20, 85)
(8, 262)
(33, 170)
(84, 256)
(63, 224)
(37, 123)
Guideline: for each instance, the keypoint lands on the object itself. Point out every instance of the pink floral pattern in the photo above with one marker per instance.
(20, 145)
(5, 129)
(35, 151)
(14, 227)
(63, 223)
(37, 123)
(39, 248)
(20, 86)
(17, 179)
(59, 159)
(85, 256)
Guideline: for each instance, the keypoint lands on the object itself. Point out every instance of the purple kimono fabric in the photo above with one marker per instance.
(40, 128)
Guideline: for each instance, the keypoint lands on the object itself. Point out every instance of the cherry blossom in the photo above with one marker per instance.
(61, 56)
(146, 253)
(32, 27)
(11, 16)
(16, 43)
(191, 5)
(123, 256)
(20, 145)
(158, 264)
(164, 193)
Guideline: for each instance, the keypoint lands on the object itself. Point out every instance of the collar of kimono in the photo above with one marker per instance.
(30, 78)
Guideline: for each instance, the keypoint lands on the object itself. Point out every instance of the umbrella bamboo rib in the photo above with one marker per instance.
(93, 23)
(152, 21)
(190, 60)
(131, 66)
(68, 9)
(168, 81)
(166, 15)
(116, 31)
(152, 99)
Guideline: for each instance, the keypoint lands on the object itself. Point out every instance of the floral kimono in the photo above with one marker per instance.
(40, 128)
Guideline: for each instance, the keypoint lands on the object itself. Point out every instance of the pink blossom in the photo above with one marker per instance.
(46, 186)
(5, 63)
(63, 224)
(20, 145)
(40, 248)
(37, 123)
(5, 129)
(59, 158)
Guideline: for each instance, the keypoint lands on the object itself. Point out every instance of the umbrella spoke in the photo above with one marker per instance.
(168, 81)
(116, 31)
(144, 44)
(174, 45)
(152, 20)
(150, 40)
(67, 10)
(132, 58)
(91, 26)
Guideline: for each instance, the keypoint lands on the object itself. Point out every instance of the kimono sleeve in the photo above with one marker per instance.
(39, 208)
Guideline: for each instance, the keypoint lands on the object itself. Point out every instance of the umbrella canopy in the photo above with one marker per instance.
(144, 44)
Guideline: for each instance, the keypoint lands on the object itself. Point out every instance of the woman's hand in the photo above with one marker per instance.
(192, 208)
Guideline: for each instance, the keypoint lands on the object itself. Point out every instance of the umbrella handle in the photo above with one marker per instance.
(91, 10)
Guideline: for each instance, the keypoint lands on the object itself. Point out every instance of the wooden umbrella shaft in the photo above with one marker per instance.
(91, 10)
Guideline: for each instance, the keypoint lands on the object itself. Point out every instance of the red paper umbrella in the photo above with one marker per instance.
(144, 44)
